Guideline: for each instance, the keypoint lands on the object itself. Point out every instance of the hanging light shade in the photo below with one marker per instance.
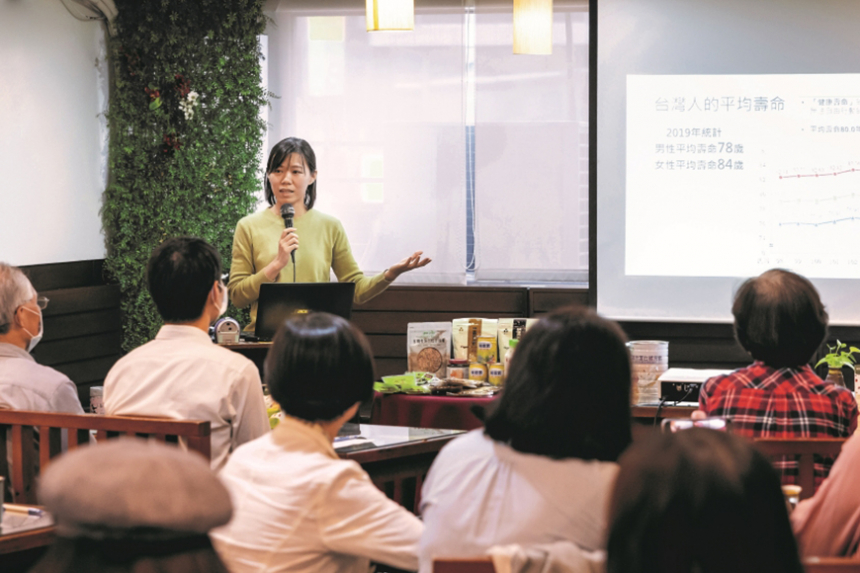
(532, 27)
(390, 15)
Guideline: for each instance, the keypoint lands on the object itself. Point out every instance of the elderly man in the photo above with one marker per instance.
(25, 385)
(780, 321)
(182, 374)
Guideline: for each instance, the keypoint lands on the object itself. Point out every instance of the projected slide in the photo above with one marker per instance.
(730, 175)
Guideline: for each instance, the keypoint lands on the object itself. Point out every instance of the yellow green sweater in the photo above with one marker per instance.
(323, 246)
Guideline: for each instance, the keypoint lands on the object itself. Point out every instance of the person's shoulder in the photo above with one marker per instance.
(47, 375)
(739, 377)
(324, 219)
(252, 220)
(466, 448)
(230, 359)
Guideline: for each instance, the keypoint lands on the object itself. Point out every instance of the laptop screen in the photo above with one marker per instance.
(278, 301)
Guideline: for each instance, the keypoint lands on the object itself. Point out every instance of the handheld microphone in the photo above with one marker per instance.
(288, 212)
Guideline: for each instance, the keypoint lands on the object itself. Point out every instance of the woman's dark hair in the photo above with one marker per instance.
(319, 365)
(182, 555)
(279, 154)
(779, 318)
(567, 394)
(702, 501)
(180, 274)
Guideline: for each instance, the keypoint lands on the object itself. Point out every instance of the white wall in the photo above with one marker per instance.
(52, 161)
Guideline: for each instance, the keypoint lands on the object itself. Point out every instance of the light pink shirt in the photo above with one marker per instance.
(26, 385)
(481, 493)
(828, 524)
(297, 507)
(183, 375)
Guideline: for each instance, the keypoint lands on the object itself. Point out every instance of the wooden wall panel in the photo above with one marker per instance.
(82, 322)
(543, 300)
(385, 318)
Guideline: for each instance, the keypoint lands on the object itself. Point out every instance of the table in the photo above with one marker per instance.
(253, 351)
(396, 458)
(424, 411)
(23, 541)
(647, 419)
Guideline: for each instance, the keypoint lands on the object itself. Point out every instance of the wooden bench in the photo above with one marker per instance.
(36, 439)
(473, 565)
(804, 450)
(485, 565)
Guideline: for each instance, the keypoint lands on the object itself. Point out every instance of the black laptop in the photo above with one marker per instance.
(280, 300)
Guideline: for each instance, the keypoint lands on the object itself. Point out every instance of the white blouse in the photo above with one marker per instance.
(298, 507)
(481, 493)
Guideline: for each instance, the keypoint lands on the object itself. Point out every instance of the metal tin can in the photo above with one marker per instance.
(478, 372)
(496, 374)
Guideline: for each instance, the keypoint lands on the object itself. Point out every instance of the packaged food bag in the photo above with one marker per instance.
(465, 336)
(428, 347)
(512, 329)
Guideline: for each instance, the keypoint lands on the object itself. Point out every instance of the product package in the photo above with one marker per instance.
(465, 335)
(429, 347)
(512, 329)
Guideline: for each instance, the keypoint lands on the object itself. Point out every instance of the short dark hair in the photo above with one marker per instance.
(279, 154)
(779, 318)
(180, 274)
(318, 366)
(698, 500)
(567, 394)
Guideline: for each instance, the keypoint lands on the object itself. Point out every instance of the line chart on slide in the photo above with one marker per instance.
(811, 217)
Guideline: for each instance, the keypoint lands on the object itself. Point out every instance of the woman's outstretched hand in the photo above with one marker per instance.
(412, 262)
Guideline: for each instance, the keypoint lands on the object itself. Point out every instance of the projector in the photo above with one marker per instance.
(683, 384)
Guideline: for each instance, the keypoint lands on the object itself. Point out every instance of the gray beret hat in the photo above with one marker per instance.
(129, 487)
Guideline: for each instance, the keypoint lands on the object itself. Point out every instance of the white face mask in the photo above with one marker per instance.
(35, 340)
(224, 301)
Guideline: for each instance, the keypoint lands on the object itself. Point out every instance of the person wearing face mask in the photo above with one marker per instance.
(182, 374)
(265, 252)
(24, 384)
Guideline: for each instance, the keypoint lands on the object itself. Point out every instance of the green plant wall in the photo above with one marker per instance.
(185, 136)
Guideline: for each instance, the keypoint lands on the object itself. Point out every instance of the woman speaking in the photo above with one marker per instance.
(262, 247)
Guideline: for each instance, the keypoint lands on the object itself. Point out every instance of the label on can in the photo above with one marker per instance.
(478, 372)
(496, 374)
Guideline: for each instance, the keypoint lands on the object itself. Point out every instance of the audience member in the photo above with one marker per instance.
(542, 469)
(24, 384)
(780, 321)
(298, 507)
(182, 374)
(698, 501)
(828, 524)
(132, 506)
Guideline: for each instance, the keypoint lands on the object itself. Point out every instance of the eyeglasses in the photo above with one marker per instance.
(42, 301)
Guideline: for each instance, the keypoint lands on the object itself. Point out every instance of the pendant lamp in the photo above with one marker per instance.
(390, 15)
(532, 27)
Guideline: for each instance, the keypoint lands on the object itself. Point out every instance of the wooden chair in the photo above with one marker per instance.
(20, 425)
(474, 565)
(831, 565)
(804, 450)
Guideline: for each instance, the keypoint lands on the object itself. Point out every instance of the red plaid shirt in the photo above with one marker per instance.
(762, 401)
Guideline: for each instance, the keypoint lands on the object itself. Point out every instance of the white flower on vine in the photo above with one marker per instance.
(187, 105)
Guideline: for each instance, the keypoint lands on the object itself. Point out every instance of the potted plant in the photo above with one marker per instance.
(837, 359)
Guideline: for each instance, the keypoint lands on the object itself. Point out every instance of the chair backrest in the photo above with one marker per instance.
(42, 431)
(804, 450)
(474, 565)
(831, 565)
